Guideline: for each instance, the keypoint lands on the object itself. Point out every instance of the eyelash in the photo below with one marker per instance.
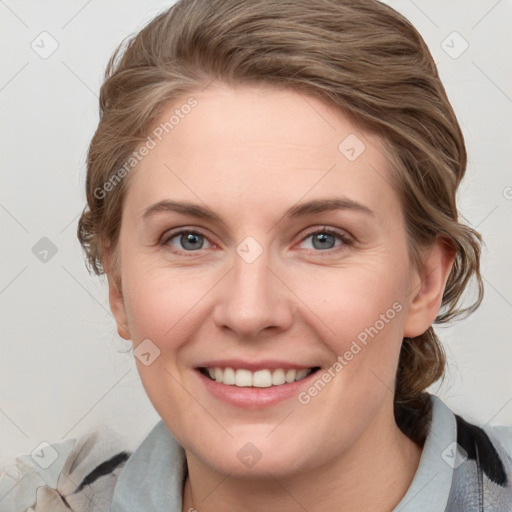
(347, 241)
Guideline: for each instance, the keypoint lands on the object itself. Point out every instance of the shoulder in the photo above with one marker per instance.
(154, 475)
(482, 473)
(464, 467)
(490, 447)
(74, 474)
(503, 435)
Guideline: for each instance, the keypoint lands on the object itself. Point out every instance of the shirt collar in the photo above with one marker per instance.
(153, 478)
(430, 487)
(154, 475)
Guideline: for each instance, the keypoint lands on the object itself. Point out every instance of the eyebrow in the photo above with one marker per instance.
(312, 207)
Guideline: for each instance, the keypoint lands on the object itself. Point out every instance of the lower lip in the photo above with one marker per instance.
(254, 398)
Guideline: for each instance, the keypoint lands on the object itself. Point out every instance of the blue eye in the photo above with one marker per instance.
(187, 240)
(324, 239)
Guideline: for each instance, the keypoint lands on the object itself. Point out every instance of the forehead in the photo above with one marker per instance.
(256, 146)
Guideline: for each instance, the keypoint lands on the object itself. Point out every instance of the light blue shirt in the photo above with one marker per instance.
(445, 481)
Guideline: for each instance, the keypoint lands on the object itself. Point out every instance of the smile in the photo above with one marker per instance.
(263, 378)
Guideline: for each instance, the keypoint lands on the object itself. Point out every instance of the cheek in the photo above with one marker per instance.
(160, 307)
(361, 313)
(159, 302)
(352, 299)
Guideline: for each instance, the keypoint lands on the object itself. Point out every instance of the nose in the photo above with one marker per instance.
(253, 299)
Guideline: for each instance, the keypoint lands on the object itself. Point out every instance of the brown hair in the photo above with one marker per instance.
(360, 55)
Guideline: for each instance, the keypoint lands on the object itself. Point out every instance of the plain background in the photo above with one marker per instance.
(63, 368)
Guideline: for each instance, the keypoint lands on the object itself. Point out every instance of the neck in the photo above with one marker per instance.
(373, 476)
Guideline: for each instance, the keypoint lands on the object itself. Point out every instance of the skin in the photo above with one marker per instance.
(249, 153)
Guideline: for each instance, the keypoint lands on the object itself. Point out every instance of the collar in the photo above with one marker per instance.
(153, 478)
(430, 487)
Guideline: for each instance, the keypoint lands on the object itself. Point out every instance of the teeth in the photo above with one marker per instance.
(290, 375)
(258, 379)
(242, 378)
(278, 377)
(229, 376)
(262, 379)
(301, 374)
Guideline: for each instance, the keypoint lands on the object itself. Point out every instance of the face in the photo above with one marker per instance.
(289, 254)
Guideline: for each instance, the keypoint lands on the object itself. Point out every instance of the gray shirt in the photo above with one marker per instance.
(449, 478)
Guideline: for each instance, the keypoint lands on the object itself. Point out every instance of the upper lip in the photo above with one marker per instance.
(253, 365)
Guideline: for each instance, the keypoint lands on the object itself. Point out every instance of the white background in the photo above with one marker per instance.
(63, 368)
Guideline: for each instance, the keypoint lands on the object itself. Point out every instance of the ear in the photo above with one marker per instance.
(115, 293)
(427, 287)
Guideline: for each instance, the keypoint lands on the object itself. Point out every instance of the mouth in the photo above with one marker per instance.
(263, 378)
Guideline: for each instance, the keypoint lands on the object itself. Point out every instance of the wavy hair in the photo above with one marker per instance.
(364, 58)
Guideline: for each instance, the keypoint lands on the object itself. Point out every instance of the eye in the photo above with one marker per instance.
(325, 238)
(186, 240)
(322, 239)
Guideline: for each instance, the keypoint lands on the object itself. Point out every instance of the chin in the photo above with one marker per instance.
(258, 459)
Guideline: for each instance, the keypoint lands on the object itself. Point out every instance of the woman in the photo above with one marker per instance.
(271, 194)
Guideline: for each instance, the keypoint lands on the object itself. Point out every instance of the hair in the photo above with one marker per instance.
(362, 57)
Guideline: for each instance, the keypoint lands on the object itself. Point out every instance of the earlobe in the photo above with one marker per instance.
(115, 295)
(117, 307)
(428, 285)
